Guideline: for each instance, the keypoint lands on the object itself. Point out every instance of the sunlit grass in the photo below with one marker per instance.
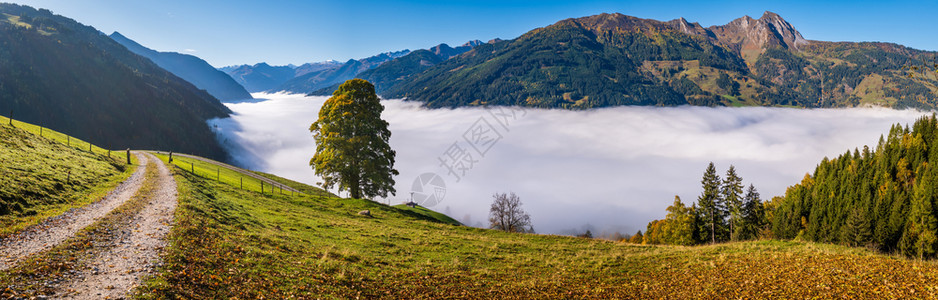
(224, 175)
(119, 155)
(231, 243)
(41, 177)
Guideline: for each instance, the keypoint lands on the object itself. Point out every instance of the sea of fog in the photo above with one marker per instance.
(607, 170)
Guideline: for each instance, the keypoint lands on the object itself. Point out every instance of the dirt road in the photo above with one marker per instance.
(55, 230)
(136, 252)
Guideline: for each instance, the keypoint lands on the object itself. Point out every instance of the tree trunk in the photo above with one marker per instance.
(355, 187)
(713, 229)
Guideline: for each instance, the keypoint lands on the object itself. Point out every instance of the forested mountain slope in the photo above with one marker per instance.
(614, 59)
(72, 78)
(191, 68)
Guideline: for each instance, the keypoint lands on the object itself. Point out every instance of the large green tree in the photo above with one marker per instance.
(352, 148)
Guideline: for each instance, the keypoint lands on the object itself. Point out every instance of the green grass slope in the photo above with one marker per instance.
(43, 176)
(234, 243)
(430, 214)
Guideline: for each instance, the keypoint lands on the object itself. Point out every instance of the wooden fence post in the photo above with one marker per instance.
(11, 118)
(128, 156)
(218, 173)
(170, 156)
(192, 165)
(242, 182)
(89, 147)
(68, 140)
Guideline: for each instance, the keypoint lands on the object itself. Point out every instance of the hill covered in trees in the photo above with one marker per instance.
(883, 198)
(614, 59)
(72, 78)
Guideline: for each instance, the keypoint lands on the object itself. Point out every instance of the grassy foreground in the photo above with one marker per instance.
(232, 243)
(238, 243)
(42, 176)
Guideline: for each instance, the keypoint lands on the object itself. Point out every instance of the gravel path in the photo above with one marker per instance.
(52, 231)
(120, 269)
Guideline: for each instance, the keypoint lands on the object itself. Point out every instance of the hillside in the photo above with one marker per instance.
(883, 197)
(614, 59)
(43, 176)
(191, 68)
(235, 243)
(429, 214)
(69, 77)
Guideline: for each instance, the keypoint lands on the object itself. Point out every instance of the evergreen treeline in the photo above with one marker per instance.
(723, 212)
(883, 198)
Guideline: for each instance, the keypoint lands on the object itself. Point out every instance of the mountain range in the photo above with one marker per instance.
(72, 78)
(614, 59)
(323, 78)
(305, 78)
(394, 71)
(191, 68)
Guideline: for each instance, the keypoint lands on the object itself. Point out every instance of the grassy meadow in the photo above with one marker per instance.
(43, 176)
(233, 243)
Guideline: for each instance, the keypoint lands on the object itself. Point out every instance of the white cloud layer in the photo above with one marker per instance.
(612, 169)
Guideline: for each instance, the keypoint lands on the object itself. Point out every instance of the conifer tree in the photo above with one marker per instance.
(856, 231)
(696, 224)
(732, 200)
(709, 203)
(919, 239)
(753, 215)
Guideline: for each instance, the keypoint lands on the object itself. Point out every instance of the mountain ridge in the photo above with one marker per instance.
(615, 59)
(191, 68)
(313, 81)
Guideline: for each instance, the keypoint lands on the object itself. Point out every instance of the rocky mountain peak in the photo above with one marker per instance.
(472, 43)
(791, 36)
(750, 37)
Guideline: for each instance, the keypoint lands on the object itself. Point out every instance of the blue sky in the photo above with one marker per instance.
(281, 32)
